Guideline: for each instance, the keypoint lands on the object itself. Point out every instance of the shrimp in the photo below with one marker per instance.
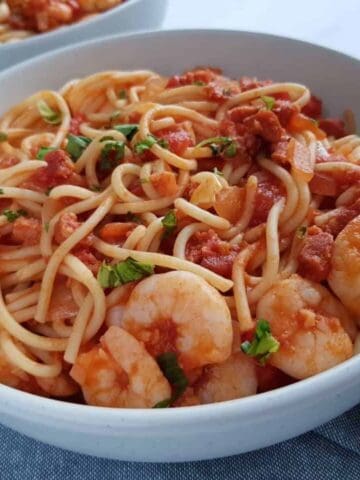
(180, 312)
(13, 376)
(60, 386)
(98, 5)
(344, 276)
(234, 378)
(120, 373)
(313, 328)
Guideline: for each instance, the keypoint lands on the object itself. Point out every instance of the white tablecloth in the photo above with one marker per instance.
(325, 22)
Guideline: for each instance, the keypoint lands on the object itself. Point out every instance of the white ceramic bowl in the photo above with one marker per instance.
(207, 431)
(130, 16)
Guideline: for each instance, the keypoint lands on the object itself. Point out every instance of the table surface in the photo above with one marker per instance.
(315, 21)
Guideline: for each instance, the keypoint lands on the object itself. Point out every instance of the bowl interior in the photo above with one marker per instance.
(238, 53)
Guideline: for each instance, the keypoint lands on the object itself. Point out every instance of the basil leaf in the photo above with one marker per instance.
(148, 142)
(107, 276)
(145, 144)
(76, 145)
(12, 215)
(263, 343)
(219, 145)
(269, 102)
(111, 153)
(171, 369)
(128, 129)
(3, 137)
(43, 151)
(169, 223)
(129, 270)
(48, 114)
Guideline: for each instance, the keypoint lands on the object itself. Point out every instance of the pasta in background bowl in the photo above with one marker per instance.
(65, 22)
(156, 159)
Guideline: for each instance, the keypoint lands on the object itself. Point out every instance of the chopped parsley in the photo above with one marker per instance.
(130, 270)
(46, 226)
(269, 102)
(43, 151)
(48, 114)
(1, 191)
(128, 129)
(12, 215)
(76, 145)
(112, 152)
(199, 83)
(263, 343)
(3, 137)
(148, 142)
(169, 223)
(219, 145)
(171, 369)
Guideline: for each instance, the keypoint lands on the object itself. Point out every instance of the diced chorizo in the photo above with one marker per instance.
(313, 108)
(66, 226)
(269, 191)
(88, 258)
(333, 127)
(315, 256)
(238, 114)
(208, 250)
(341, 217)
(26, 231)
(178, 139)
(265, 124)
(116, 232)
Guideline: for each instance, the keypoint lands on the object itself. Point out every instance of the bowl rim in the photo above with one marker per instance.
(62, 31)
(332, 380)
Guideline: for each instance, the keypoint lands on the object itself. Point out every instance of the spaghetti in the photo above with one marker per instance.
(20, 19)
(168, 222)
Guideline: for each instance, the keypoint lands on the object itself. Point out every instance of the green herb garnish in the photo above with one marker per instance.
(128, 129)
(43, 151)
(76, 145)
(3, 137)
(48, 114)
(171, 369)
(269, 102)
(199, 83)
(263, 343)
(12, 215)
(169, 223)
(112, 152)
(46, 226)
(1, 191)
(219, 145)
(148, 142)
(130, 270)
